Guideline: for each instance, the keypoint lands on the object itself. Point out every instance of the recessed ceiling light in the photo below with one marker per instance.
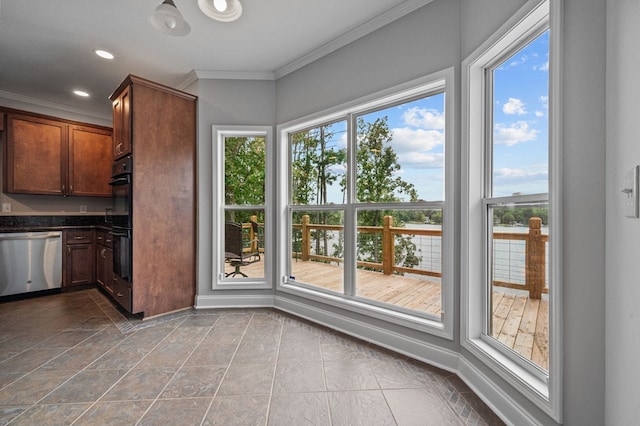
(221, 10)
(104, 54)
(81, 93)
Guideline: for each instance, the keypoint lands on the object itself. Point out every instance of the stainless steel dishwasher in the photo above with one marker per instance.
(30, 261)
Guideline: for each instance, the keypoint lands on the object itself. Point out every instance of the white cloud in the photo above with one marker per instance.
(544, 67)
(406, 140)
(424, 118)
(421, 160)
(519, 61)
(531, 179)
(544, 100)
(514, 106)
(514, 133)
(531, 172)
(539, 114)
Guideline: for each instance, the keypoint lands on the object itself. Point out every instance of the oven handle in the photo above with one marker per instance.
(120, 181)
(118, 234)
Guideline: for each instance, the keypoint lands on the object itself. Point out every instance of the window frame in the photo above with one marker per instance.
(544, 391)
(439, 82)
(219, 282)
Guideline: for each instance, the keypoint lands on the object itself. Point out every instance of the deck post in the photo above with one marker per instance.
(388, 248)
(306, 238)
(535, 259)
(253, 237)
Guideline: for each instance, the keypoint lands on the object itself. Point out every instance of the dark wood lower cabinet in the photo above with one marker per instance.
(122, 293)
(79, 258)
(104, 261)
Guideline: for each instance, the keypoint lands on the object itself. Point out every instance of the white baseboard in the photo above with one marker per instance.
(495, 397)
(234, 301)
(420, 350)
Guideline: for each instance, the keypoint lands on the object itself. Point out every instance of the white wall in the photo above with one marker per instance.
(622, 388)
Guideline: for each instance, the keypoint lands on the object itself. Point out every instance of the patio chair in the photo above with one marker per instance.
(237, 251)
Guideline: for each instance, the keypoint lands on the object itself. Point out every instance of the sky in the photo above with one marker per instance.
(520, 130)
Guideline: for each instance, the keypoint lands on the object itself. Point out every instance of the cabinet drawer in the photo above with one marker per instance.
(81, 236)
(104, 239)
(122, 293)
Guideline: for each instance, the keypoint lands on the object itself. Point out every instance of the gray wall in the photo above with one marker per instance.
(583, 186)
(416, 45)
(440, 35)
(622, 388)
(223, 102)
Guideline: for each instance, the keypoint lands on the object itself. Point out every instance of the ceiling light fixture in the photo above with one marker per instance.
(103, 54)
(81, 93)
(221, 10)
(168, 19)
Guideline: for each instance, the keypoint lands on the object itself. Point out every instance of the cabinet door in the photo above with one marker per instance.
(122, 124)
(104, 268)
(36, 155)
(79, 268)
(89, 161)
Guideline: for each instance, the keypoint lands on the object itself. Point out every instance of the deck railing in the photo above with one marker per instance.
(534, 251)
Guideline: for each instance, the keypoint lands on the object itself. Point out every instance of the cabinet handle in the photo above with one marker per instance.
(108, 240)
(79, 238)
(102, 253)
(119, 294)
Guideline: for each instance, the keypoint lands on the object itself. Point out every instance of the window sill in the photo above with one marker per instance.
(434, 327)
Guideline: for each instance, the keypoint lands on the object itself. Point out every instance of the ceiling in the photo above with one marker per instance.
(46, 47)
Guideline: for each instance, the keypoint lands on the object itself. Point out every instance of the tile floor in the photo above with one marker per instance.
(72, 358)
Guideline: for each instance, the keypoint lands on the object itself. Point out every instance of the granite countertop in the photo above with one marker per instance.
(50, 223)
(7, 229)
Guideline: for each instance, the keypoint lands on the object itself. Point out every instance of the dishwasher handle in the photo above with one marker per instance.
(9, 237)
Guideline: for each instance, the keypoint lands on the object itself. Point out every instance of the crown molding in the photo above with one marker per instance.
(360, 31)
(195, 75)
(51, 105)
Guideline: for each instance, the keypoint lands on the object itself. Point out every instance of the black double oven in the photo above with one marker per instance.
(121, 183)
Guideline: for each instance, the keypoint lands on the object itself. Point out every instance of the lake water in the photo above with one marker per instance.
(509, 255)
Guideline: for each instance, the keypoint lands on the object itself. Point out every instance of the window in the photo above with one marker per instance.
(242, 196)
(366, 208)
(511, 214)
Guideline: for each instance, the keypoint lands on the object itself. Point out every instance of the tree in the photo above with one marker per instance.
(313, 171)
(377, 180)
(244, 173)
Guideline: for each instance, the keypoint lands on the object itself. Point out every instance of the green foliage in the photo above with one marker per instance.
(519, 215)
(378, 167)
(312, 167)
(244, 170)
(313, 171)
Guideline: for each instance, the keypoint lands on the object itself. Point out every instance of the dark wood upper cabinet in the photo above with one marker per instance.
(47, 156)
(122, 124)
(89, 161)
(35, 160)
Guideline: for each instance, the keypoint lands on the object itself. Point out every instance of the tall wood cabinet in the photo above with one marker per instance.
(160, 125)
(48, 156)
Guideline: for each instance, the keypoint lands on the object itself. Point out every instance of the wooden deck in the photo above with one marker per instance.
(519, 322)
